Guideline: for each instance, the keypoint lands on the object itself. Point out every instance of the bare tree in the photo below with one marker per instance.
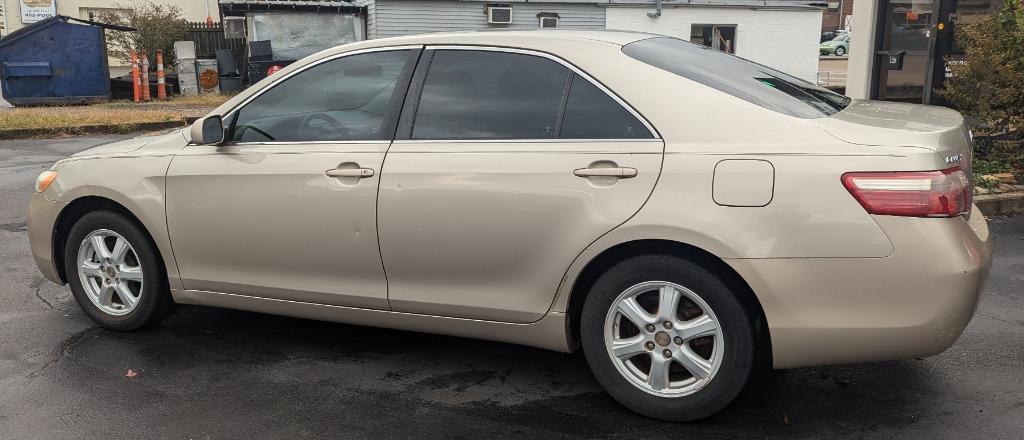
(158, 27)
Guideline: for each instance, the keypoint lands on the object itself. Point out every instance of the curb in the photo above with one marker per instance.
(89, 129)
(1000, 204)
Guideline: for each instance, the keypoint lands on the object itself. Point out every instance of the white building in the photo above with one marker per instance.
(17, 13)
(779, 34)
(783, 34)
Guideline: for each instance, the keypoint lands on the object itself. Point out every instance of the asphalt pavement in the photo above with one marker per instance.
(210, 373)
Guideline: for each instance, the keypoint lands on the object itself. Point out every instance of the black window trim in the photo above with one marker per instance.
(415, 92)
(391, 117)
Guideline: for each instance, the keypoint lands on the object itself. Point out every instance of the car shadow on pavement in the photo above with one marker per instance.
(271, 375)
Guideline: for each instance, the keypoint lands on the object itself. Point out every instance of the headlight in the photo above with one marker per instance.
(45, 179)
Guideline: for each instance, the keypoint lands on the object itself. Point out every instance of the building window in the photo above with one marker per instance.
(548, 19)
(95, 14)
(716, 36)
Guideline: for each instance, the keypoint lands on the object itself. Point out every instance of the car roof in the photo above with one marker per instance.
(511, 38)
(519, 39)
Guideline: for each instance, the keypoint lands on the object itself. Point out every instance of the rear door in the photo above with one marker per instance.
(506, 165)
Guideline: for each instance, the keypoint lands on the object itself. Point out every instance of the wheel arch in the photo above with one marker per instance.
(628, 249)
(78, 208)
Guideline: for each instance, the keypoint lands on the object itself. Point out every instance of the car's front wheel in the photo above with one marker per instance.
(667, 338)
(115, 272)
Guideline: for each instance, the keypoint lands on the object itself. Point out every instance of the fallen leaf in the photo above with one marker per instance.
(785, 420)
(131, 373)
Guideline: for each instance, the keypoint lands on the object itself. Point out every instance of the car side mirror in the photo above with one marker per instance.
(208, 130)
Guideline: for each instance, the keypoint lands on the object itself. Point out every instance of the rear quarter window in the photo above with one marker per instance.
(744, 79)
(591, 114)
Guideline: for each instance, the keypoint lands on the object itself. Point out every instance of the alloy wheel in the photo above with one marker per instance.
(110, 272)
(664, 339)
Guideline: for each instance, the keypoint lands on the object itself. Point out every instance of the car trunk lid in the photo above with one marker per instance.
(903, 125)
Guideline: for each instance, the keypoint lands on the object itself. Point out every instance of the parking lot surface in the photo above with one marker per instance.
(210, 373)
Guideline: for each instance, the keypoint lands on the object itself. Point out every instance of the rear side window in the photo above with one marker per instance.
(747, 80)
(591, 114)
(472, 94)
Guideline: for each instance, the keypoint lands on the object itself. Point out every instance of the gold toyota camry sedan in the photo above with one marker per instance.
(679, 214)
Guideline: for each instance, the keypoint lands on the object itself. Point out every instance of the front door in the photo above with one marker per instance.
(286, 208)
(511, 165)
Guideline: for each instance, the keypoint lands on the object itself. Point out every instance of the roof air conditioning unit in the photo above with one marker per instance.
(499, 14)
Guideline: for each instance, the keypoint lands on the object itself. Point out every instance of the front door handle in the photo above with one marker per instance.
(620, 172)
(350, 172)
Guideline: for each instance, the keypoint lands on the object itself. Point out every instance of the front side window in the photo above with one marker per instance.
(470, 94)
(344, 99)
(744, 79)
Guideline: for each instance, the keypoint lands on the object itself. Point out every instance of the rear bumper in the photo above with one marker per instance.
(914, 303)
(40, 218)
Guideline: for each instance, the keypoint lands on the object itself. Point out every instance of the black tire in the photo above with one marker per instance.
(840, 51)
(737, 359)
(155, 302)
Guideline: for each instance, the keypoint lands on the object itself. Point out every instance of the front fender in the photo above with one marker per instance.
(134, 182)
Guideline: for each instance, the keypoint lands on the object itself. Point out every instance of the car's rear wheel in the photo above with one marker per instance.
(667, 338)
(840, 51)
(115, 273)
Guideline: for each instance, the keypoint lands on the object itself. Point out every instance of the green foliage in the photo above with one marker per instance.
(988, 86)
(159, 26)
(994, 157)
(982, 167)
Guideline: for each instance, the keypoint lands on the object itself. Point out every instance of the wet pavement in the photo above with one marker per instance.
(210, 373)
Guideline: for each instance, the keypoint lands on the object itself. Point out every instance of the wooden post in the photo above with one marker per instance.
(136, 84)
(145, 76)
(161, 88)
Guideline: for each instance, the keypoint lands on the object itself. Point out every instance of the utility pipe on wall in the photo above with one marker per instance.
(657, 12)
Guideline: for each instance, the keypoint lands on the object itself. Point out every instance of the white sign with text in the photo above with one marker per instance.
(36, 10)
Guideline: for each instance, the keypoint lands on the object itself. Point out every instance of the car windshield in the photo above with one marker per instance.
(747, 80)
(841, 37)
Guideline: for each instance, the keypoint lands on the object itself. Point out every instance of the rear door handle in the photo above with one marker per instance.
(350, 172)
(620, 172)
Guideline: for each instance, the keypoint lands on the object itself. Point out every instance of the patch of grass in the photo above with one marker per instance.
(175, 102)
(67, 119)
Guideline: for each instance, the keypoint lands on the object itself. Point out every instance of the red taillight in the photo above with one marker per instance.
(945, 193)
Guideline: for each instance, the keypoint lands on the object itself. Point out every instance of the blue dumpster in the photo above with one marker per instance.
(55, 61)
